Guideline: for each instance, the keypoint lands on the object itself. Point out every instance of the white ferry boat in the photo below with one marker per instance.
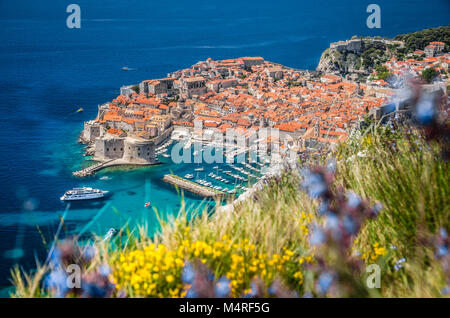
(84, 193)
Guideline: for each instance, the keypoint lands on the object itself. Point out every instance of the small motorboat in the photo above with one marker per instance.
(105, 178)
(147, 204)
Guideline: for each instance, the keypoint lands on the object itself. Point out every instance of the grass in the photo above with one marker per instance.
(267, 235)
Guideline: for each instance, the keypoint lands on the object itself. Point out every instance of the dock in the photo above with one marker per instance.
(192, 186)
(91, 169)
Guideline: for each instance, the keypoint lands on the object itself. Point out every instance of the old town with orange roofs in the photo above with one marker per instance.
(308, 108)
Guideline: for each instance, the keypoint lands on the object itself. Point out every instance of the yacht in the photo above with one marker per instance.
(189, 176)
(199, 169)
(84, 193)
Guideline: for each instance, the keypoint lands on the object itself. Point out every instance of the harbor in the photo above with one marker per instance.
(192, 186)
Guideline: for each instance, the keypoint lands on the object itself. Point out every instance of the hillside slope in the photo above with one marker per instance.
(358, 57)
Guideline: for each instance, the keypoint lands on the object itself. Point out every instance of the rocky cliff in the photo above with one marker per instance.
(356, 57)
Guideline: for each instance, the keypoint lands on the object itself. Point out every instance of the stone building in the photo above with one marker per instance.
(109, 147)
(139, 151)
(193, 86)
(132, 150)
(158, 86)
(92, 130)
(250, 61)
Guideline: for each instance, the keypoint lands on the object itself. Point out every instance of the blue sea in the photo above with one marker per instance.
(49, 71)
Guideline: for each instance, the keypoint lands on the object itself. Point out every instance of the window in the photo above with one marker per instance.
(114, 149)
(121, 149)
(139, 153)
(107, 149)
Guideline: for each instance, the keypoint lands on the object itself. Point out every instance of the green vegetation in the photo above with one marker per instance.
(382, 72)
(418, 40)
(429, 74)
(135, 88)
(267, 235)
(373, 57)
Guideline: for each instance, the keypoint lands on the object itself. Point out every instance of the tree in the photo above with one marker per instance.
(429, 74)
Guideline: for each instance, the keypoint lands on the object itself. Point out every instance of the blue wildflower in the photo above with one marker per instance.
(191, 293)
(222, 287)
(89, 252)
(349, 224)
(313, 183)
(331, 165)
(188, 274)
(324, 282)
(443, 233)
(331, 222)
(56, 281)
(104, 270)
(442, 250)
(55, 257)
(272, 290)
(353, 200)
(323, 207)
(94, 291)
(253, 291)
(317, 236)
(425, 111)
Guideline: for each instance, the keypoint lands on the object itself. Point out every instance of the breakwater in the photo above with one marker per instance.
(192, 186)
